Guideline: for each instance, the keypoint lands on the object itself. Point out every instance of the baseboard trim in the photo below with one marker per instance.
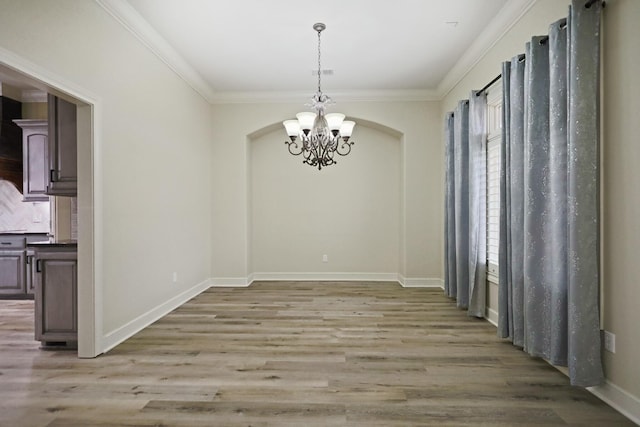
(113, 338)
(326, 277)
(405, 282)
(619, 399)
(492, 316)
(230, 282)
(420, 282)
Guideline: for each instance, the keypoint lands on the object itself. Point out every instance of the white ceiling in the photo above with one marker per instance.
(239, 50)
(258, 45)
(269, 46)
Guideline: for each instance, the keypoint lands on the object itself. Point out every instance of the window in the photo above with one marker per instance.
(494, 139)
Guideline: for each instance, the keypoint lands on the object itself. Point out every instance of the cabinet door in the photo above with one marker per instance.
(12, 273)
(35, 167)
(63, 140)
(56, 297)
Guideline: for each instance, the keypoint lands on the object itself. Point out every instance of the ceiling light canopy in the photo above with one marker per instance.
(316, 135)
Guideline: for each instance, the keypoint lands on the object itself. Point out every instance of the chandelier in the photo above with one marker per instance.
(319, 136)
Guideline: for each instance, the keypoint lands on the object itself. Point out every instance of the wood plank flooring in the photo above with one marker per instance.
(293, 354)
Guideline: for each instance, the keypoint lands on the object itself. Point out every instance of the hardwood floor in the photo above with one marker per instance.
(293, 354)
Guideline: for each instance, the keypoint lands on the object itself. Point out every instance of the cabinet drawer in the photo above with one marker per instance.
(12, 242)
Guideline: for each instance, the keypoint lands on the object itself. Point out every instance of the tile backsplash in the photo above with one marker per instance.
(19, 216)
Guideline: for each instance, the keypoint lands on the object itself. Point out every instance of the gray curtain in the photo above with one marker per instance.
(465, 204)
(477, 203)
(510, 257)
(549, 232)
(461, 198)
(450, 287)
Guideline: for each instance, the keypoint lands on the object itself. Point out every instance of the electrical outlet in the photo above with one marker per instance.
(325, 258)
(610, 341)
(175, 276)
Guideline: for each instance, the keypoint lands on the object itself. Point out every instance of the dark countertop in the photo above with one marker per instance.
(20, 233)
(59, 243)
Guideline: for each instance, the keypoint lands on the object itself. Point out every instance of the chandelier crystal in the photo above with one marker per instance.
(319, 136)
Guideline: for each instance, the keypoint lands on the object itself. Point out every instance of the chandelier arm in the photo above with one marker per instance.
(322, 151)
(310, 158)
(328, 160)
(308, 154)
(344, 148)
(329, 156)
(322, 155)
(319, 147)
(318, 152)
(330, 148)
(294, 148)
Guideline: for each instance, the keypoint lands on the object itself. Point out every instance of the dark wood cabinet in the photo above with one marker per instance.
(63, 141)
(35, 165)
(56, 295)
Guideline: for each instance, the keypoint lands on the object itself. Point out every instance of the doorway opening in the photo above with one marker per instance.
(27, 78)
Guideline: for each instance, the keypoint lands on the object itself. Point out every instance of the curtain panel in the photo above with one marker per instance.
(465, 204)
(461, 199)
(450, 283)
(549, 224)
(477, 203)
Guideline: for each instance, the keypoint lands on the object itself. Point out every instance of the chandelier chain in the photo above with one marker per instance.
(319, 70)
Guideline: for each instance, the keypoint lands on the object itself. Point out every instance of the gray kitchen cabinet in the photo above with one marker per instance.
(15, 273)
(12, 273)
(56, 295)
(35, 164)
(63, 141)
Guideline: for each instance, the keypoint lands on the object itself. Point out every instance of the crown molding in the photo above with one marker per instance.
(506, 18)
(338, 96)
(130, 19)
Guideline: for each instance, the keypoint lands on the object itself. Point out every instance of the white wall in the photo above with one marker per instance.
(620, 190)
(420, 242)
(154, 152)
(349, 211)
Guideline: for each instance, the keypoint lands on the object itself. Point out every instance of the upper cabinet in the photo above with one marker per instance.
(63, 164)
(35, 165)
